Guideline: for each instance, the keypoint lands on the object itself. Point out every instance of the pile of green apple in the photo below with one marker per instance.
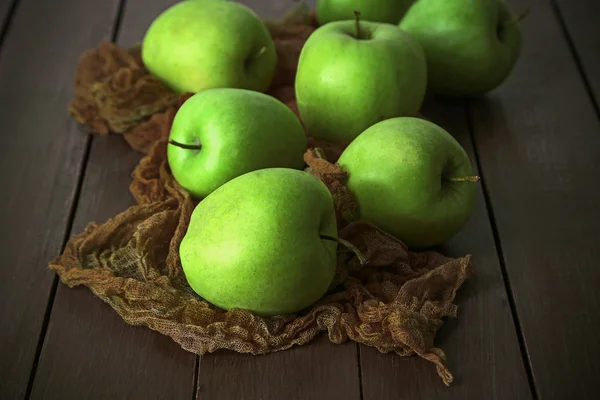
(263, 236)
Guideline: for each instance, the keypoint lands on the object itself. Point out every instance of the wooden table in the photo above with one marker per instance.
(528, 322)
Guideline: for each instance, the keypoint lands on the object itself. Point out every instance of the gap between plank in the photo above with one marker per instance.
(70, 217)
(196, 377)
(573, 49)
(360, 378)
(7, 22)
(500, 253)
(52, 295)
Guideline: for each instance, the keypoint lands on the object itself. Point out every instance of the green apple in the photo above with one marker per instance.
(354, 74)
(471, 45)
(412, 179)
(219, 134)
(390, 11)
(201, 44)
(263, 242)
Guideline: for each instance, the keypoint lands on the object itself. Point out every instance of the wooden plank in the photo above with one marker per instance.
(319, 370)
(580, 18)
(89, 352)
(40, 163)
(539, 142)
(481, 344)
(273, 9)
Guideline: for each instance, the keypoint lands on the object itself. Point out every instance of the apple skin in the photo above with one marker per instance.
(399, 172)
(202, 44)
(255, 243)
(390, 11)
(344, 85)
(468, 51)
(239, 131)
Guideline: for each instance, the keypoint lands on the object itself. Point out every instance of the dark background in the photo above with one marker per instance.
(528, 322)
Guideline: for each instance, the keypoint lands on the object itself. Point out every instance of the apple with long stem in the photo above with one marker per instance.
(353, 74)
(265, 242)
(219, 134)
(411, 178)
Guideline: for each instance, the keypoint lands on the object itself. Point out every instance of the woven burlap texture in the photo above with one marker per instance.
(395, 303)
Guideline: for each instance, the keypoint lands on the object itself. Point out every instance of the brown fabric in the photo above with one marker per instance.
(395, 302)
(335, 178)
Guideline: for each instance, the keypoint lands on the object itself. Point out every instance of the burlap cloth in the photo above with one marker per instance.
(395, 303)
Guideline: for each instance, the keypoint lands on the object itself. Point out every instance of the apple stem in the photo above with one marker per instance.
(357, 21)
(185, 146)
(361, 257)
(262, 51)
(518, 18)
(465, 179)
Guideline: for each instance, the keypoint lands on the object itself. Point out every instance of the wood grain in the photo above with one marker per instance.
(319, 370)
(90, 352)
(40, 160)
(580, 18)
(481, 344)
(539, 141)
